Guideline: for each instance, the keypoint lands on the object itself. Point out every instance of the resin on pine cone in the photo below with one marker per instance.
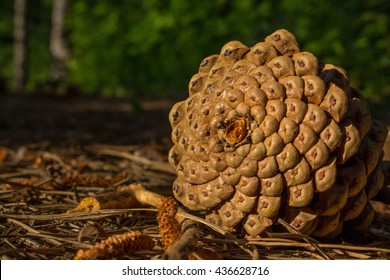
(271, 132)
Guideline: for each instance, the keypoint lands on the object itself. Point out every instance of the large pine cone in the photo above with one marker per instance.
(270, 132)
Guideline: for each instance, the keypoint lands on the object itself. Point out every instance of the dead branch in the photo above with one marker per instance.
(148, 164)
(31, 230)
(186, 245)
(142, 195)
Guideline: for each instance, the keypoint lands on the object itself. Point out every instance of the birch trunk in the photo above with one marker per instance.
(19, 56)
(58, 46)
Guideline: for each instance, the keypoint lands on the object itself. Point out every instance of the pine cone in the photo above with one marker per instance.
(269, 132)
(167, 223)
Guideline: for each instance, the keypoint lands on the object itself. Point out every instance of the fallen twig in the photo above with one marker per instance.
(148, 164)
(142, 195)
(75, 216)
(186, 245)
(304, 237)
(31, 230)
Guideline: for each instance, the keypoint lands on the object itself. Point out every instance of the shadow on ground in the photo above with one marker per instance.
(62, 121)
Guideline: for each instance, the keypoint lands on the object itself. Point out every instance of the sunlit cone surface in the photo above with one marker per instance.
(271, 131)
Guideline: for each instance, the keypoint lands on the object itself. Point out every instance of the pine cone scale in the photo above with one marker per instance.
(271, 132)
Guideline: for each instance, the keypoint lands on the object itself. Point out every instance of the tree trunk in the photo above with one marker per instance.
(58, 46)
(19, 59)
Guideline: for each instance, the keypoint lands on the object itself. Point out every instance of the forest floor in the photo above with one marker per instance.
(56, 150)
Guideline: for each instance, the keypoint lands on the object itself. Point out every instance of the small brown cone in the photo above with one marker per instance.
(167, 223)
(117, 246)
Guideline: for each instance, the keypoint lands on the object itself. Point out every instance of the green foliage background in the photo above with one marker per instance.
(152, 47)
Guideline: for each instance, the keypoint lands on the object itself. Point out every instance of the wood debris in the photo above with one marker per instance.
(66, 204)
(117, 246)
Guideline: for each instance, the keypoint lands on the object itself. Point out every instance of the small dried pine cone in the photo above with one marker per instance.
(168, 225)
(117, 246)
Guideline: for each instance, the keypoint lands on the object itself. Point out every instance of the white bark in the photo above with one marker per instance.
(58, 47)
(19, 55)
